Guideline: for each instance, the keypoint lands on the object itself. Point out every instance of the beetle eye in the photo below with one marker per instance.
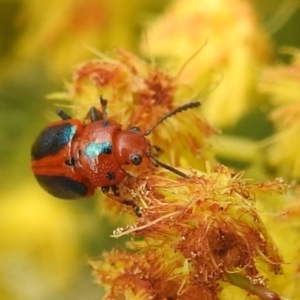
(136, 159)
(134, 129)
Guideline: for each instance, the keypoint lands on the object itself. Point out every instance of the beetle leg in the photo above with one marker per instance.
(156, 148)
(116, 196)
(103, 103)
(95, 114)
(135, 208)
(105, 189)
(115, 190)
(63, 115)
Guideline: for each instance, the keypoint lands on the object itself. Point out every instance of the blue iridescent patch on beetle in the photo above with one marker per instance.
(52, 139)
(95, 149)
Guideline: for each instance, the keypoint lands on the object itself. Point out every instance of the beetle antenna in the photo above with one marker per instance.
(172, 113)
(156, 161)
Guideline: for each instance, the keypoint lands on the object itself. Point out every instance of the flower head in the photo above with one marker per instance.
(282, 83)
(196, 231)
(139, 94)
(232, 44)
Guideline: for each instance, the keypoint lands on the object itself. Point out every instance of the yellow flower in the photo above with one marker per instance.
(233, 48)
(285, 228)
(58, 35)
(282, 83)
(197, 232)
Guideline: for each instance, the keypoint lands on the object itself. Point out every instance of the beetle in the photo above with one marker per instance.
(70, 159)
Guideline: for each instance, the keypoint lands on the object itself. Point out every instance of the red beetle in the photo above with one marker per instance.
(71, 159)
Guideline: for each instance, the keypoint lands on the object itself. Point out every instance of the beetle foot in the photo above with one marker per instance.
(116, 196)
(135, 207)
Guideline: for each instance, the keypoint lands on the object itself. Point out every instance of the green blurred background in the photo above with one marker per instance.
(45, 242)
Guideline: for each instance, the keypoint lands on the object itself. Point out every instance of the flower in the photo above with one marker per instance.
(227, 47)
(139, 94)
(282, 84)
(195, 233)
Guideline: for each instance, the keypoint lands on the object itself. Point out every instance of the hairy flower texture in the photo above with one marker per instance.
(139, 94)
(285, 227)
(282, 83)
(60, 33)
(232, 48)
(195, 233)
